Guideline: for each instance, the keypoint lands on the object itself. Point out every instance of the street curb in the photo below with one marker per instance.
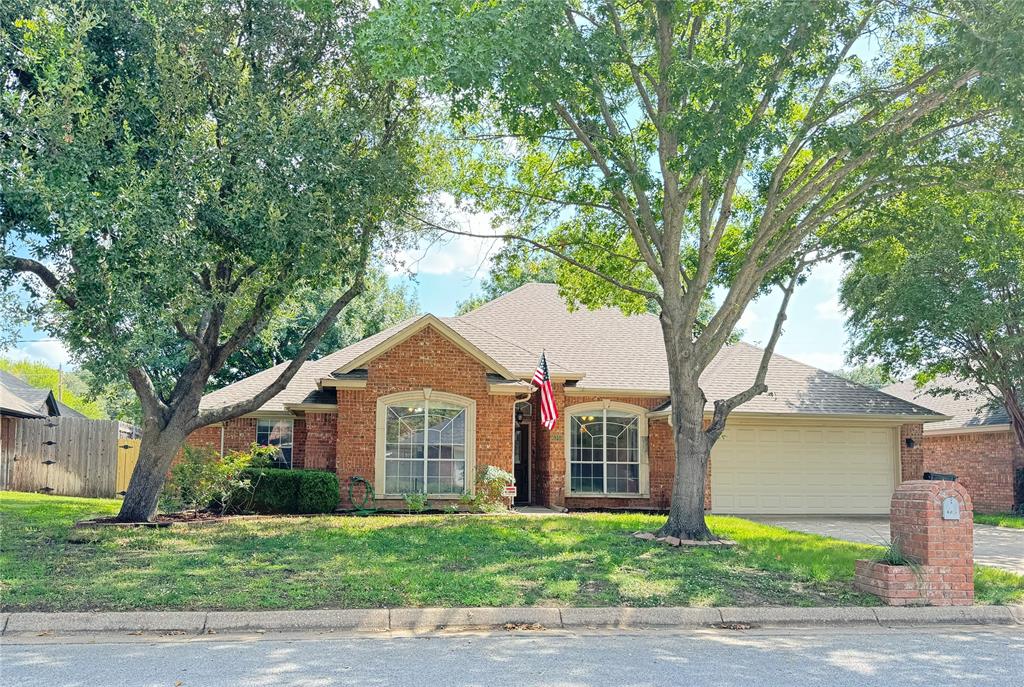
(529, 618)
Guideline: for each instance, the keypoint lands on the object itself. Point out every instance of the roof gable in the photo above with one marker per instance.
(414, 328)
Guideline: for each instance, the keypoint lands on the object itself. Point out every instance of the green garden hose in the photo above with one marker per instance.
(368, 496)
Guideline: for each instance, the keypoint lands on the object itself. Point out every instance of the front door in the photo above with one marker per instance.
(521, 459)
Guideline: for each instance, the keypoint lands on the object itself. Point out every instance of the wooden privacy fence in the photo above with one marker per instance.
(67, 455)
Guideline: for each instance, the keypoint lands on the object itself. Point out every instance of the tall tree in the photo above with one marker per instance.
(173, 171)
(937, 290)
(378, 307)
(663, 149)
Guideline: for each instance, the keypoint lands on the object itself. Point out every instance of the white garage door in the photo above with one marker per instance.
(778, 468)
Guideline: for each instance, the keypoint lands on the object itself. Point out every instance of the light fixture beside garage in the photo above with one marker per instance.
(910, 442)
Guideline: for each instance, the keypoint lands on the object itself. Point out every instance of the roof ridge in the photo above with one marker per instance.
(496, 336)
(502, 297)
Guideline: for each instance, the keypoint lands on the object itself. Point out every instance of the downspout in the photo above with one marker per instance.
(222, 440)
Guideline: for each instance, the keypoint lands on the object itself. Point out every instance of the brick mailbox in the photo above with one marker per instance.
(932, 523)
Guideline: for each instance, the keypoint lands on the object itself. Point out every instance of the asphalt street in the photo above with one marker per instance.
(836, 657)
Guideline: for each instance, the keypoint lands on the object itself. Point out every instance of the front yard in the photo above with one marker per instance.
(346, 562)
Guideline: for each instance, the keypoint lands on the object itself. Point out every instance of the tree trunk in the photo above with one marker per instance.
(1016, 413)
(693, 448)
(156, 453)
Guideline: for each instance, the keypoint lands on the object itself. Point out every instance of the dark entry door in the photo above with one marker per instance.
(521, 458)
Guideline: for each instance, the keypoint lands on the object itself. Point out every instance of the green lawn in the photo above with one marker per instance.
(1003, 520)
(339, 562)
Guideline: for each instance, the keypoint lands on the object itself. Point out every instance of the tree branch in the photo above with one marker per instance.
(45, 275)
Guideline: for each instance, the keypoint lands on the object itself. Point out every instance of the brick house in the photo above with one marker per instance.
(425, 405)
(976, 443)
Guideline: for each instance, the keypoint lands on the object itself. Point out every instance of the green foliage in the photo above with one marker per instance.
(75, 393)
(868, 374)
(416, 502)
(487, 497)
(892, 554)
(378, 308)
(292, 491)
(201, 479)
(185, 172)
(936, 289)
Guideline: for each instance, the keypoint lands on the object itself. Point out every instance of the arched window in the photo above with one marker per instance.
(425, 444)
(607, 449)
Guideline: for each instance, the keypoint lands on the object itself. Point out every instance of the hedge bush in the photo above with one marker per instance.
(277, 490)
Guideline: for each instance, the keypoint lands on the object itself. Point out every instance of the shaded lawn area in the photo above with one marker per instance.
(1001, 520)
(346, 562)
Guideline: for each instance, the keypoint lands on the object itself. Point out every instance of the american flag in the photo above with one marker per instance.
(542, 380)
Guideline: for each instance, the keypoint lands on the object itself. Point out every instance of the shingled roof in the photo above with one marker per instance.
(18, 398)
(604, 351)
(972, 410)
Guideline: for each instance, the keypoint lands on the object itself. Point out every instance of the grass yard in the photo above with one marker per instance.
(339, 562)
(1004, 520)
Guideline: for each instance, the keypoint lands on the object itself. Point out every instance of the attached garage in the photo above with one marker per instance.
(791, 467)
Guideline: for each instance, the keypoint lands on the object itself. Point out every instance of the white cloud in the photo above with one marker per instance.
(51, 352)
(451, 254)
(830, 309)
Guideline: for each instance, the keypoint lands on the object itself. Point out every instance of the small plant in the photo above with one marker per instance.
(416, 502)
(451, 509)
(893, 554)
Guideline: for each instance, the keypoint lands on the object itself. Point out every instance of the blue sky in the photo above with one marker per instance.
(450, 271)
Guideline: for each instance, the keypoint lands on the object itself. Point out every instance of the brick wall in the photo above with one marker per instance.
(321, 441)
(982, 461)
(427, 359)
(911, 457)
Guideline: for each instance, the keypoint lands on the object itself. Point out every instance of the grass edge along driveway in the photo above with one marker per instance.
(346, 562)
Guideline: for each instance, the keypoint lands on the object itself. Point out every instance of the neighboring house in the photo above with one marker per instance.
(976, 443)
(428, 403)
(20, 399)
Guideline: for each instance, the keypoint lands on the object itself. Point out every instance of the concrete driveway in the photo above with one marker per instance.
(1000, 547)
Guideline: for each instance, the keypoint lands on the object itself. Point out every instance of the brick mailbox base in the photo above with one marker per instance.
(932, 523)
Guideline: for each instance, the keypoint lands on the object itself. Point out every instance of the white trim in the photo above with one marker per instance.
(878, 419)
(507, 388)
(332, 383)
(414, 328)
(586, 391)
(605, 405)
(974, 429)
(424, 394)
(313, 407)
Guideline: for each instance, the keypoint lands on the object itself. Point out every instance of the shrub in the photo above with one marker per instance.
(276, 490)
(202, 479)
(416, 503)
(490, 483)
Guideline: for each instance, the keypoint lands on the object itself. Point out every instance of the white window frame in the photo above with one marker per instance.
(424, 395)
(291, 437)
(604, 407)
